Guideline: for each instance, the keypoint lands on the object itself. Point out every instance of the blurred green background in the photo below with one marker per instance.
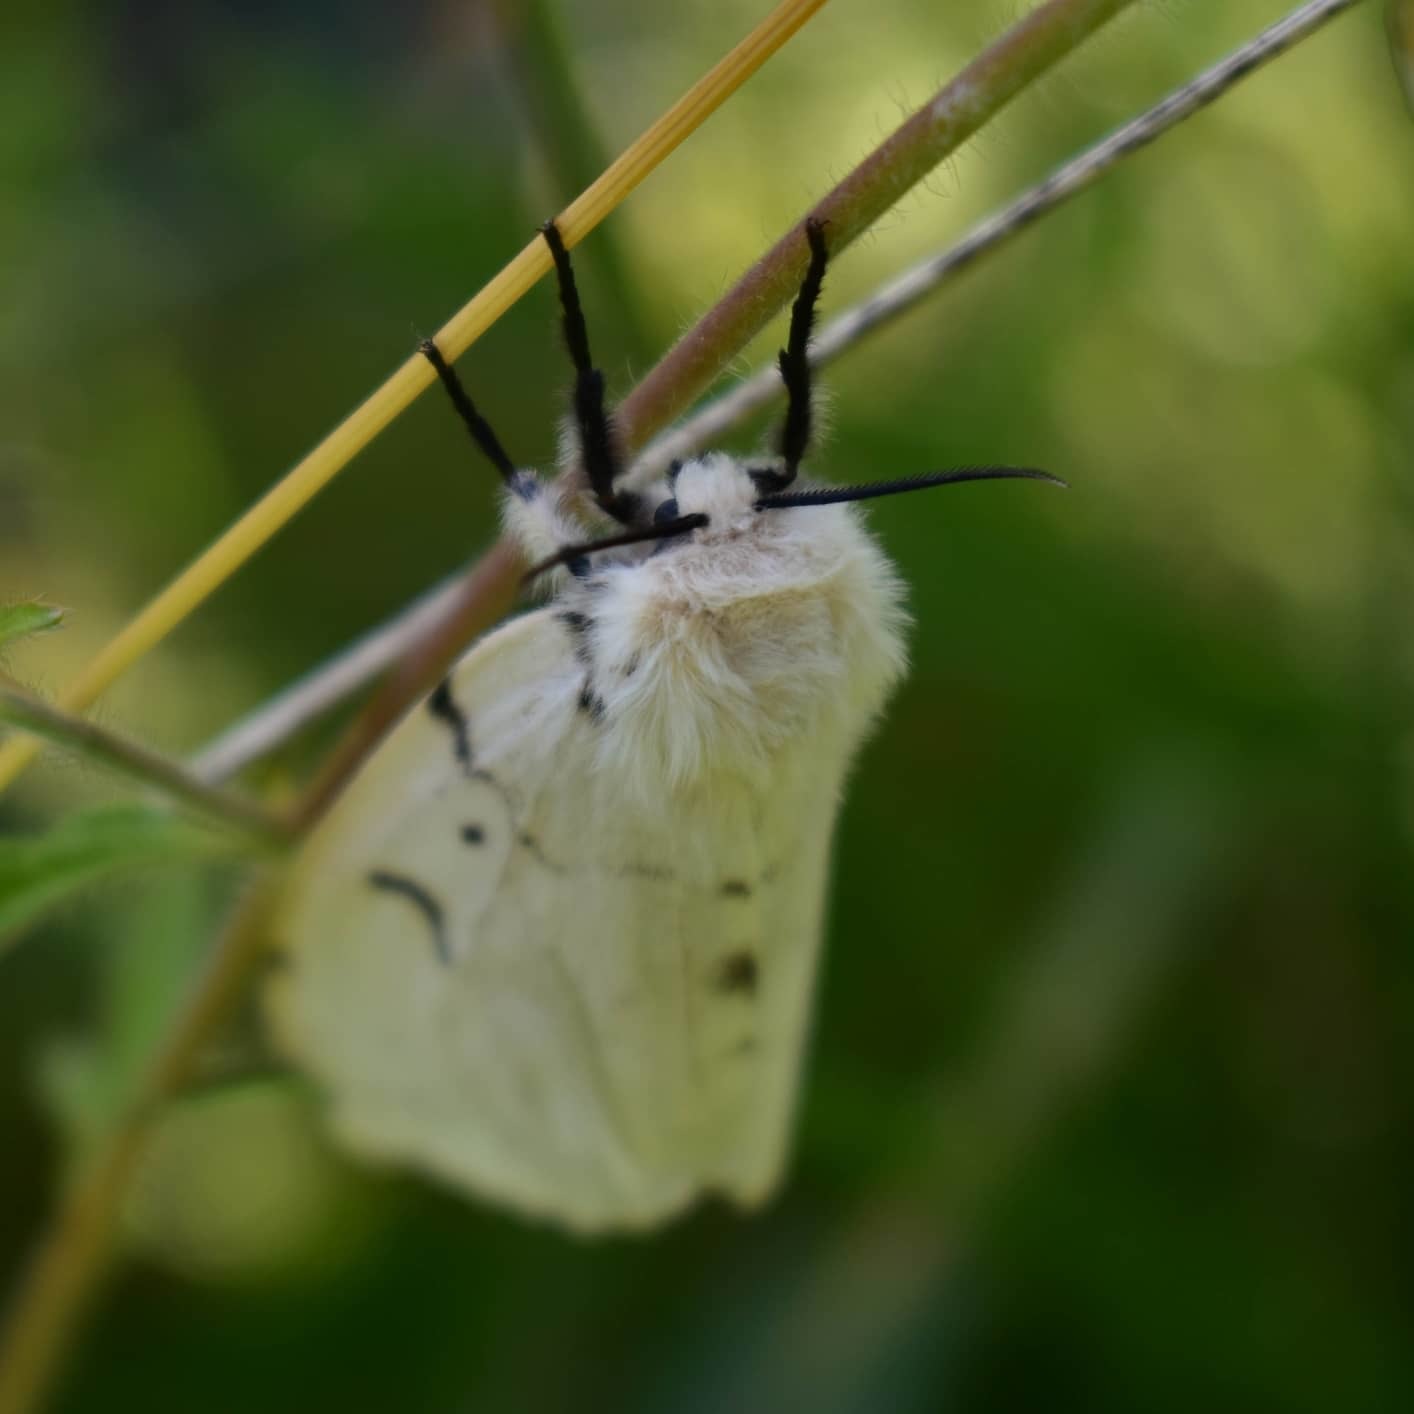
(1110, 1104)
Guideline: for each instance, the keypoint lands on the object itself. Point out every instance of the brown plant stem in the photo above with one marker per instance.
(985, 86)
(484, 595)
(710, 422)
(933, 133)
(66, 1268)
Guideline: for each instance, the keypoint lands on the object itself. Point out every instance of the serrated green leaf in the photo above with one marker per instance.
(39, 871)
(28, 617)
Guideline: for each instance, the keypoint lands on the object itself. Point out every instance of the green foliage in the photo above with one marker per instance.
(1108, 1108)
(87, 1076)
(38, 872)
(26, 618)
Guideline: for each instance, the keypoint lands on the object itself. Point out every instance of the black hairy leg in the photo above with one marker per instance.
(794, 363)
(592, 422)
(486, 440)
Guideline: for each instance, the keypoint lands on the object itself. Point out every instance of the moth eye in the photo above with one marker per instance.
(524, 485)
(769, 482)
(667, 510)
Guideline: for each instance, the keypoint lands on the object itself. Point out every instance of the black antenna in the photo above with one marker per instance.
(664, 531)
(833, 495)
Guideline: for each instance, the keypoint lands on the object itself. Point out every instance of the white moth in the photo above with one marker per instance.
(557, 941)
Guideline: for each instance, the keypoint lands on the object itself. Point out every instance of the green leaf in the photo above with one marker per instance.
(30, 616)
(39, 871)
(86, 1079)
(1399, 24)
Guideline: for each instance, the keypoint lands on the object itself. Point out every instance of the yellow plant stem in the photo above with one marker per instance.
(283, 501)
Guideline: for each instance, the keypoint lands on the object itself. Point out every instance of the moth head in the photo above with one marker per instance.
(721, 497)
(716, 485)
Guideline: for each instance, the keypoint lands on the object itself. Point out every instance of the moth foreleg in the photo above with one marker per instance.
(593, 424)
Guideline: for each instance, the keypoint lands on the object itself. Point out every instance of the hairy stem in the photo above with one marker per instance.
(913, 150)
(21, 708)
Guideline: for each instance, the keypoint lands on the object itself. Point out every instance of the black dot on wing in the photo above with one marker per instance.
(591, 704)
(736, 888)
(739, 973)
(473, 834)
(579, 626)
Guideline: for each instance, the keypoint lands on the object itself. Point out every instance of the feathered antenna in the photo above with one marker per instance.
(567, 554)
(833, 495)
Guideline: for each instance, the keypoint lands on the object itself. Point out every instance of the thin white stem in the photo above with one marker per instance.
(707, 426)
(322, 688)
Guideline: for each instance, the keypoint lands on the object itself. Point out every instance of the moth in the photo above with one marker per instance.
(558, 940)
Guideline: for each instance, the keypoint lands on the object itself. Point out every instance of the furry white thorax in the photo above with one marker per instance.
(715, 651)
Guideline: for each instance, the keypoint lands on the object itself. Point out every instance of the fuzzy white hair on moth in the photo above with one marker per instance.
(557, 941)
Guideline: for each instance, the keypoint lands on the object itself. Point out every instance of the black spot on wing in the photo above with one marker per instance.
(444, 707)
(579, 626)
(736, 888)
(591, 704)
(739, 974)
(422, 900)
(473, 834)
